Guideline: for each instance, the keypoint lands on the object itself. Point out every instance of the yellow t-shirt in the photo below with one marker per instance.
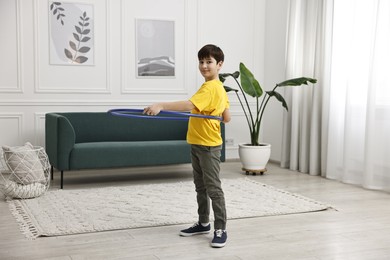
(211, 99)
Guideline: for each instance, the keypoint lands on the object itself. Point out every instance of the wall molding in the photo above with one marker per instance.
(19, 55)
(73, 103)
(19, 117)
(39, 128)
(235, 109)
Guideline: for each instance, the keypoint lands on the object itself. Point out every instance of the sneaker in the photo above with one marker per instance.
(196, 229)
(219, 239)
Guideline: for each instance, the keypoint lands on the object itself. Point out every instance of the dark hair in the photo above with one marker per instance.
(211, 50)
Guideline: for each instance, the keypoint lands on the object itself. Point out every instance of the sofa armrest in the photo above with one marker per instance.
(60, 139)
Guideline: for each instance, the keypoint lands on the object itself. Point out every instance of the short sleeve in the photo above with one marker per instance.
(202, 98)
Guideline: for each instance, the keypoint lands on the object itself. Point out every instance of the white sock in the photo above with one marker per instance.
(204, 224)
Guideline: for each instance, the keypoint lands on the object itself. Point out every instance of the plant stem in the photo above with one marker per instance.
(247, 104)
(263, 105)
(246, 116)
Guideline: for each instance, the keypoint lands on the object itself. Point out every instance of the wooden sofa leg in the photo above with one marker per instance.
(62, 179)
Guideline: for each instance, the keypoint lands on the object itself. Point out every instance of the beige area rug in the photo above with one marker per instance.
(64, 212)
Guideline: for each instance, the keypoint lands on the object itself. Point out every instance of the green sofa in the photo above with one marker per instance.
(97, 140)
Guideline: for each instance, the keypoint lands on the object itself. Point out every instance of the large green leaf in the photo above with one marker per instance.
(236, 74)
(296, 82)
(223, 76)
(279, 97)
(228, 89)
(248, 82)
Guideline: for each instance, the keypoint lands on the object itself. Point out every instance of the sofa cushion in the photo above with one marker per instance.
(95, 155)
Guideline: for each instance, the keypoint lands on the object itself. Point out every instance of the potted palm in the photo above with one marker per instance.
(255, 155)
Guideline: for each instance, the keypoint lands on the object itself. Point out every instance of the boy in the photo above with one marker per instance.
(204, 135)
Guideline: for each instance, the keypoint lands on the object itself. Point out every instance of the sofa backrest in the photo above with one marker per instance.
(102, 126)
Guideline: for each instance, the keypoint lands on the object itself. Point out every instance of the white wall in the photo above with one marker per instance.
(31, 87)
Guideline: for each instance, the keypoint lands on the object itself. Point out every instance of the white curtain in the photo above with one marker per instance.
(340, 127)
(305, 125)
(359, 114)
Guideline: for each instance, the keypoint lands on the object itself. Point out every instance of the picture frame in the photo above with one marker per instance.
(155, 48)
(71, 34)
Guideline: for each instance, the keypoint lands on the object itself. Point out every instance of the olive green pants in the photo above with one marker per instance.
(206, 166)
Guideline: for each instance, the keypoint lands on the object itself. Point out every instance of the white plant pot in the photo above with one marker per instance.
(254, 158)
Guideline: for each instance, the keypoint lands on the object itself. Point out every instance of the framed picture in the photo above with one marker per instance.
(71, 33)
(155, 48)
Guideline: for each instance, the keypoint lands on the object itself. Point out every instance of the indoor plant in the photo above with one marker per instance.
(248, 85)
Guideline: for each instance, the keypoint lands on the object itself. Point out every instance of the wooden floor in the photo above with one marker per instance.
(358, 228)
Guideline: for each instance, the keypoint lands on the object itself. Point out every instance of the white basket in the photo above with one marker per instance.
(25, 171)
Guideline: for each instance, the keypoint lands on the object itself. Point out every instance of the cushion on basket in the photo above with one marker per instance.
(24, 164)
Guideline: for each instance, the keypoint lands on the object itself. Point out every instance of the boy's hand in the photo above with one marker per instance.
(152, 110)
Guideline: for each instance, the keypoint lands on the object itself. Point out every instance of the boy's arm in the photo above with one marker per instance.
(226, 116)
(180, 106)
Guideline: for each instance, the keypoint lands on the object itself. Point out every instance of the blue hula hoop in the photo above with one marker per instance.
(163, 115)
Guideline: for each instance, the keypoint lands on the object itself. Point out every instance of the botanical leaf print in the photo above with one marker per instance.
(76, 51)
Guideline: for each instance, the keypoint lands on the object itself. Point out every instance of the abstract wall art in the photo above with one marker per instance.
(71, 33)
(155, 48)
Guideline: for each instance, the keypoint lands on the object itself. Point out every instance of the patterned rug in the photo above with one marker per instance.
(64, 212)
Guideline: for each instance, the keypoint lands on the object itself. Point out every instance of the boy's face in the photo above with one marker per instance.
(209, 68)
